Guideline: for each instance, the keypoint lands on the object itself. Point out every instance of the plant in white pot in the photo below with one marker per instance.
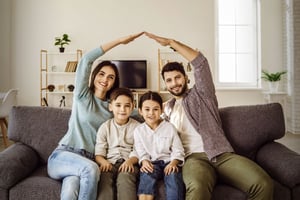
(273, 79)
(62, 41)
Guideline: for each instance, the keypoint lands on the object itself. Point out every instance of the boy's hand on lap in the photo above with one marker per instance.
(146, 166)
(105, 166)
(127, 166)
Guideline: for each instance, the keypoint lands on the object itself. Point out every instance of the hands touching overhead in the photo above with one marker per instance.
(181, 48)
(161, 40)
(129, 38)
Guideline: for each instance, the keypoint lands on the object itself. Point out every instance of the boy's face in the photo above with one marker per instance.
(121, 108)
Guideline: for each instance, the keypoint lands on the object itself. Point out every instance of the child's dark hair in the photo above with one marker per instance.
(121, 91)
(172, 66)
(150, 96)
(97, 69)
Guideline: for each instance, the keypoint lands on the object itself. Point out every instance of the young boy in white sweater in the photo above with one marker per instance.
(114, 150)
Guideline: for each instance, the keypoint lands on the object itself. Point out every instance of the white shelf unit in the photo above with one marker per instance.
(53, 66)
(168, 55)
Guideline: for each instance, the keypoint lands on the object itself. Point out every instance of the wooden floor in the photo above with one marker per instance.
(2, 144)
(290, 140)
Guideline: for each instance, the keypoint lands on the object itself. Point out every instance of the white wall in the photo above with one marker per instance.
(5, 72)
(35, 24)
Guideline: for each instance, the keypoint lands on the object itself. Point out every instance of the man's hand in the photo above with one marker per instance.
(186, 51)
(161, 40)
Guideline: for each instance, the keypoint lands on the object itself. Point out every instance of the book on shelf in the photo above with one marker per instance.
(71, 66)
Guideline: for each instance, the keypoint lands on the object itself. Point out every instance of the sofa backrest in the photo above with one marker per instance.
(249, 127)
(246, 127)
(38, 127)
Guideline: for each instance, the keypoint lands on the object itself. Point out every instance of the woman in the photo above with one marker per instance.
(73, 160)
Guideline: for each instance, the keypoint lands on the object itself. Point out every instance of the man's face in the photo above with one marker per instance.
(176, 82)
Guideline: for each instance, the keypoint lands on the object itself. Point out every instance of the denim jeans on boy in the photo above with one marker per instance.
(173, 182)
(80, 175)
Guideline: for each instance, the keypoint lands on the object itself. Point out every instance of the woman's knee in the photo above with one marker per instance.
(92, 170)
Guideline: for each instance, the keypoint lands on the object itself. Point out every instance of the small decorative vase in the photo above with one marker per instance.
(51, 88)
(273, 86)
(71, 88)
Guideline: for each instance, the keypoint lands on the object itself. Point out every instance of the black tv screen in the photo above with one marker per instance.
(133, 73)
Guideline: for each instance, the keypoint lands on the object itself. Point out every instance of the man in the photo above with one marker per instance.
(195, 114)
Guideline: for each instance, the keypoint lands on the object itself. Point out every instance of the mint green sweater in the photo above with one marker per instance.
(88, 111)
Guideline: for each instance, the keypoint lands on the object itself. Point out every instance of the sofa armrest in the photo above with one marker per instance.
(280, 162)
(16, 162)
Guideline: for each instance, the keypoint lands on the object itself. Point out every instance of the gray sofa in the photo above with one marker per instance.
(252, 130)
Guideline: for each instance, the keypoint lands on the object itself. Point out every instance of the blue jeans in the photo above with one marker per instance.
(173, 183)
(79, 174)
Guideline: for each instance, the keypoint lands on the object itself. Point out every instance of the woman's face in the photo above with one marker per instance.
(104, 80)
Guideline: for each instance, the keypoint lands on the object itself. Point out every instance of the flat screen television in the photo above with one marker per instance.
(133, 73)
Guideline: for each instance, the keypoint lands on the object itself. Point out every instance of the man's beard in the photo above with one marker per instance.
(181, 92)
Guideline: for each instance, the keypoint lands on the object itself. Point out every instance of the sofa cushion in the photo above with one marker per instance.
(227, 192)
(4, 194)
(296, 192)
(281, 192)
(22, 161)
(37, 186)
(276, 158)
(249, 127)
(39, 127)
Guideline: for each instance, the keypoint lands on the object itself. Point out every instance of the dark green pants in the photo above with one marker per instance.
(117, 185)
(200, 175)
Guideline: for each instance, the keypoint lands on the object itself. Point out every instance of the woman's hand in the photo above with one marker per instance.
(123, 40)
(129, 38)
(147, 166)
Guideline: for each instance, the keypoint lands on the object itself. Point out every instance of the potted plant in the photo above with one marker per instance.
(273, 79)
(61, 41)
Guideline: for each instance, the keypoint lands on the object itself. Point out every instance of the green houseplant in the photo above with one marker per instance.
(62, 41)
(273, 79)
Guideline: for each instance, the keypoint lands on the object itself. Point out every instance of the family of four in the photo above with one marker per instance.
(108, 154)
